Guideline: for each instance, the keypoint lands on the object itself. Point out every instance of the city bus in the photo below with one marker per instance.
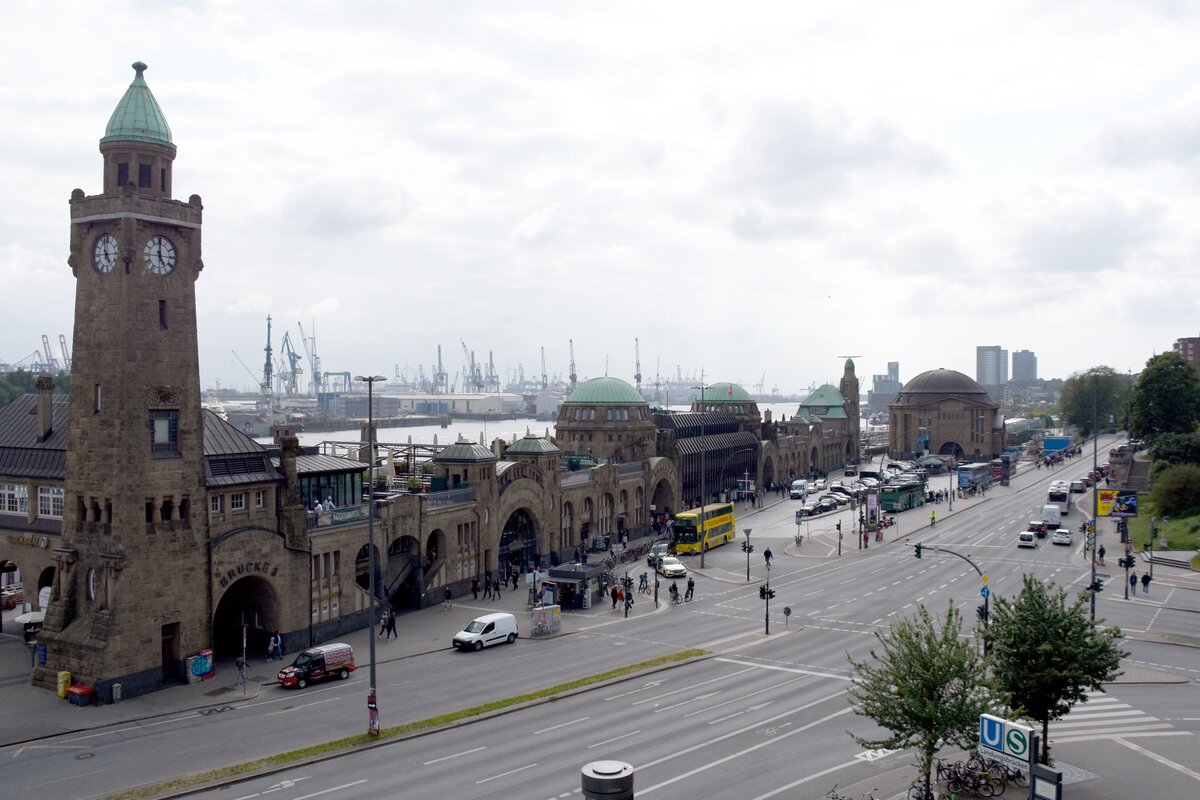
(901, 496)
(719, 528)
(974, 476)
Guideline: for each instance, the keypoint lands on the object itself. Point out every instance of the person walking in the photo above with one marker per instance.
(487, 586)
(1146, 583)
(767, 556)
(613, 594)
(1101, 552)
(383, 620)
(691, 588)
(475, 588)
(447, 603)
(241, 668)
(1133, 579)
(278, 654)
(271, 648)
(391, 623)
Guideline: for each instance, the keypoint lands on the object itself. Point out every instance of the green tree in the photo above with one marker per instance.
(1046, 654)
(1166, 398)
(927, 686)
(1176, 492)
(1176, 448)
(1103, 386)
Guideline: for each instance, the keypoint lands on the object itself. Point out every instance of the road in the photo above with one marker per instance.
(766, 717)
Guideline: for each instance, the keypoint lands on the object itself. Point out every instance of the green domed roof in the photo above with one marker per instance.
(605, 391)
(137, 117)
(532, 445)
(463, 451)
(726, 393)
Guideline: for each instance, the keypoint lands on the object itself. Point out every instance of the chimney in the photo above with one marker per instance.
(45, 407)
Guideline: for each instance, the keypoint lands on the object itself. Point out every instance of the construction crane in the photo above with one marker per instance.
(314, 361)
(762, 381)
(573, 376)
(492, 382)
(249, 371)
(290, 367)
(62, 343)
(472, 375)
(51, 361)
(637, 360)
(545, 384)
(266, 402)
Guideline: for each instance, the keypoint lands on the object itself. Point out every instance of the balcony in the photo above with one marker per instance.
(336, 517)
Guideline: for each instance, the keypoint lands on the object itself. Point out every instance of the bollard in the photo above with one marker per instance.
(607, 780)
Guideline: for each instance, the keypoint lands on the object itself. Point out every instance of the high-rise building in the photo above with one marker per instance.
(884, 389)
(1189, 348)
(991, 365)
(1024, 365)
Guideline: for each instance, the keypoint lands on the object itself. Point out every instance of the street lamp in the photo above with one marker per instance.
(1094, 533)
(372, 705)
(725, 463)
(703, 495)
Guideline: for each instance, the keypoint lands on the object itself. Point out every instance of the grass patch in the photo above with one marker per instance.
(360, 740)
(1177, 533)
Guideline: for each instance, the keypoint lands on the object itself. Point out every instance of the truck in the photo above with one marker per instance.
(1051, 517)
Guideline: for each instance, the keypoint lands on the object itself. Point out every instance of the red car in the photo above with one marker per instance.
(13, 597)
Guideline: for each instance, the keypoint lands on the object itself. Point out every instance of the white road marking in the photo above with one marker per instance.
(614, 739)
(561, 725)
(455, 755)
(501, 775)
(331, 790)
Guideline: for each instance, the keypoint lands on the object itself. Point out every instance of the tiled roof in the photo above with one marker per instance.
(21, 454)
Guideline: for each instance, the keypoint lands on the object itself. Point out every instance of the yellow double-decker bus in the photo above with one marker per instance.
(719, 528)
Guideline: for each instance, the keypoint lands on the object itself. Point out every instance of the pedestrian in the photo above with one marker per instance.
(446, 601)
(391, 623)
(866, 539)
(475, 588)
(620, 596)
(1101, 551)
(767, 555)
(613, 593)
(271, 648)
(487, 587)
(516, 574)
(383, 621)
(278, 646)
(691, 588)
(241, 668)
(1133, 582)
(1146, 583)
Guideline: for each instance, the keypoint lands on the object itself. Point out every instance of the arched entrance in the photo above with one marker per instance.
(951, 449)
(402, 575)
(518, 542)
(660, 498)
(249, 602)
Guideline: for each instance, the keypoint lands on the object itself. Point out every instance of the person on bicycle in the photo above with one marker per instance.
(644, 583)
(691, 590)
(674, 592)
(932, 518)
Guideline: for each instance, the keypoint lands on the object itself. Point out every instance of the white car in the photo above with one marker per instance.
(671, 567)
(1027, 539)
(1061, 536)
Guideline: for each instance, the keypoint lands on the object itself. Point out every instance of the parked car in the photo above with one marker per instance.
(837, 498)
(487, 630)
(1077, 487)
(671, 567)
(319, 663)
(1061, 536)
(11, 597)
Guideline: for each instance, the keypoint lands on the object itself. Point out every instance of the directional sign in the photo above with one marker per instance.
(985, 591)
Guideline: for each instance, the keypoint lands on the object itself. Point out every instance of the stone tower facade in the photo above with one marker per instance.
(132, 563)
(849, 390)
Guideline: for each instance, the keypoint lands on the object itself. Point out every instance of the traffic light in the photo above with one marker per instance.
(1096, 586)
(770, 594)
(982, 612)
(839, 526)
(747, 547)
(762, 593)
(918, 548)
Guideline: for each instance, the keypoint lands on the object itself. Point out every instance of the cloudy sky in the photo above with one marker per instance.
(755, 189)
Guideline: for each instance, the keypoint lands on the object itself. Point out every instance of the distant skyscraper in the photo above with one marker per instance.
(1189, 348)
(991, 365)
(884, 389)
(1024, 365)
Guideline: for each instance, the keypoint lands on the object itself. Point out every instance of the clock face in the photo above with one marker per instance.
(104, 255)
(160, 255)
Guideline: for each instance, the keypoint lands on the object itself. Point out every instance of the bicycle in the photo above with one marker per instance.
(644, 584)
(832, 794)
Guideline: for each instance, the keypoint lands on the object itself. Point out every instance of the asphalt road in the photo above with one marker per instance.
(767, 717)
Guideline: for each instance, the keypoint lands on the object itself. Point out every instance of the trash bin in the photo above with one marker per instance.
(64, 683)
(80, 695)
(116, 690)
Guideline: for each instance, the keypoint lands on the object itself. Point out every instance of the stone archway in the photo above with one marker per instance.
(952, 449)
(660, 498)
(768, 472)
(814, 461)
(518, 542)
(402, 575)
(251, 602)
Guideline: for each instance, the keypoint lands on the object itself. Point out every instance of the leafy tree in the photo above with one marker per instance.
(1166, 398)
(1176, 492)
(1103, 386)
(1177, 448)
(927, 686)
(1046, 654)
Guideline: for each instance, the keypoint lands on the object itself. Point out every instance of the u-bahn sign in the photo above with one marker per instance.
(1005, 741)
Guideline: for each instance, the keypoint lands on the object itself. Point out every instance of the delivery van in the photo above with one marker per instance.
(1051, 517)
(317, 664)
(799, 490)
(487, 630)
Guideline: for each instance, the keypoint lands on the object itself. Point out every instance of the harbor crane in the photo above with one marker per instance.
(62, 344)
(573, 375)
(472, 376)
(266, 401)
(439, 377)
(545, 384)
(51, 361)
(249, 371)
(314, 361)
(637, 360)
(291, 368)
(493, 378)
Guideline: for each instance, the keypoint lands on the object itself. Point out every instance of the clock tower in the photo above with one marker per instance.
(131, 591)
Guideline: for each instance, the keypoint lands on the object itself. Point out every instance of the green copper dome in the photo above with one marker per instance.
(605, 391)
(137, 117)
(726, 393)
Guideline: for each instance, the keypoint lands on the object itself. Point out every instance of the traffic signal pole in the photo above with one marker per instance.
(987, 595)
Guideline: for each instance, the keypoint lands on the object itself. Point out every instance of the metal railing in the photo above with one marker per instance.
(450, 497)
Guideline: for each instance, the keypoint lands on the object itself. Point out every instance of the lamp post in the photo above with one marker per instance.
(703, 495)
(725, 463)
(372, 705)
(1094, 533)
(767, 603)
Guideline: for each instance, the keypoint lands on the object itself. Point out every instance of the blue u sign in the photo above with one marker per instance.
(991, 732)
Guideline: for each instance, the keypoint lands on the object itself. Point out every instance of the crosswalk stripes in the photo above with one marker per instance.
(1103, 716)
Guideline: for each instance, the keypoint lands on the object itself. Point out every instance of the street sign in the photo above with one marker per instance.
(1005, 741)
(799, 516)
(985, 591)
(984, 578)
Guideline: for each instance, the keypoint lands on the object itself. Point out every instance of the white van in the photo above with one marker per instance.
(799, 490)
(1051, 517)
(487, 630)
